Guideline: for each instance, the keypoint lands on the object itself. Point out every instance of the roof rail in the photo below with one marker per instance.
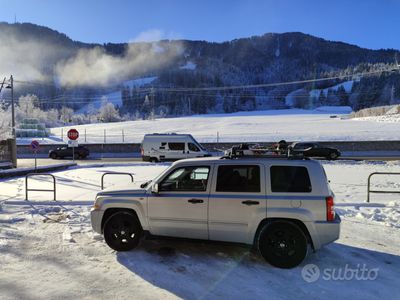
(247, 151)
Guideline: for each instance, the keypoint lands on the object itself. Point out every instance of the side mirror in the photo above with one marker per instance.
(154, 188)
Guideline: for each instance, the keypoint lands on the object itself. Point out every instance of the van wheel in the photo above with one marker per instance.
(53, 156)
(282, 244)
(153, 159)
(122, 231)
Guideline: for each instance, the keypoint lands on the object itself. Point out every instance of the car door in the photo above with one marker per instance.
(314, 150)
(180, 206)
(176, 150)
(193, 150)
(237, 201)
(65, 151)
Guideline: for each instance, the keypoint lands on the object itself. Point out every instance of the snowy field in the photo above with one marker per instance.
(262, 126)
(50, 251)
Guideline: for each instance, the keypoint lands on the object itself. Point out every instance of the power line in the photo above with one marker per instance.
(64, 98)
(250, 86)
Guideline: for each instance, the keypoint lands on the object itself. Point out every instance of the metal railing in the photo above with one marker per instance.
(114, 173)
(369, 191)
(39, 190)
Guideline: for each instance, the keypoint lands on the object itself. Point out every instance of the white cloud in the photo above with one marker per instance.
(154, 35)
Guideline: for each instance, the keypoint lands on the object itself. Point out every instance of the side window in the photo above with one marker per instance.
(287, 179)
(238, 178)
(162, 147)
(193, 147)
(186, 179)
(176, 146)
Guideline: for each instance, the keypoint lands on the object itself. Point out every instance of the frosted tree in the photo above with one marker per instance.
(108, 113)
(91, 110)
(66, 114)
(28, 104)
(5, 120)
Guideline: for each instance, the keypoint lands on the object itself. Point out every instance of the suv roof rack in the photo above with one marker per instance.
(246, 151)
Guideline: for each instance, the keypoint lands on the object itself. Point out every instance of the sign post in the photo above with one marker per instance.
(35, 147)
(73, 135)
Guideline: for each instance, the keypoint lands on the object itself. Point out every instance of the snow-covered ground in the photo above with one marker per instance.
(389, 118)
(50, 251)
(116, 97)
(290, 98)
(261, 126)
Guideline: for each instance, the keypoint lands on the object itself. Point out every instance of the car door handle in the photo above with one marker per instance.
(194, 201)
(250, 202)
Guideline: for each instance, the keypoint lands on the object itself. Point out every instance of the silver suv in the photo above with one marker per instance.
(280, 205)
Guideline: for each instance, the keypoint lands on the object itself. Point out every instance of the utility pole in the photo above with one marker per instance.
(152, 103)
(392, 95)
(12, 108)
(14, 136)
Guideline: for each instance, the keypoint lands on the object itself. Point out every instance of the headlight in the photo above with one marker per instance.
(96, 206)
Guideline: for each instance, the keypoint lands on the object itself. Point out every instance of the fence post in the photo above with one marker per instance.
(62, 134)
(85, 135)
(105, 136)
(123, 136)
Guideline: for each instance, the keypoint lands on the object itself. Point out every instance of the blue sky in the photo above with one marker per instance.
(367, 23)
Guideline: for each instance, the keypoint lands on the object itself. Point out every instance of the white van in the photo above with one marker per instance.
(162, 147)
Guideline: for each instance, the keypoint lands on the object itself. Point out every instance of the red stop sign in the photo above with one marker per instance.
(73, 134)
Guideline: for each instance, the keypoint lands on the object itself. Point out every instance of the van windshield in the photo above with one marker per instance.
(198, 145)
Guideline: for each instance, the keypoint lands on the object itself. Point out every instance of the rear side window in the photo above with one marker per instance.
(287, 179)
(238, 178)
(176, 146)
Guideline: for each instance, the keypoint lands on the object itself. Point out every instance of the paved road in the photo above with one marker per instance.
(30, 162)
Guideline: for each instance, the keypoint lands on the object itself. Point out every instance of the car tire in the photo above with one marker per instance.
(53, 155)
(122, 231)
(153, 159)
(283, 244)
(333, 156)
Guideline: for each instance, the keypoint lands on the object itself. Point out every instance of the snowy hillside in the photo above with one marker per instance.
(292, 125)
(314, 94)
(115, 97)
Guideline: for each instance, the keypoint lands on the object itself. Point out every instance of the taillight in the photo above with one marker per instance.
(141, 151)
(330, 209)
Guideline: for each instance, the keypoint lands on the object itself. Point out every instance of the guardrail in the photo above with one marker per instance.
(369, 191)
(114, 173)
(39, 190)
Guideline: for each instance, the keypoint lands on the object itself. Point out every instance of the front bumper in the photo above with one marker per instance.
(96, 215)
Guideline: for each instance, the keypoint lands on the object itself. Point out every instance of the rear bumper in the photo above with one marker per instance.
(325, 232)
(96, 215)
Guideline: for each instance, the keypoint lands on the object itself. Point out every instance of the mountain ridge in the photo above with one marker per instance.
(268, 58)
